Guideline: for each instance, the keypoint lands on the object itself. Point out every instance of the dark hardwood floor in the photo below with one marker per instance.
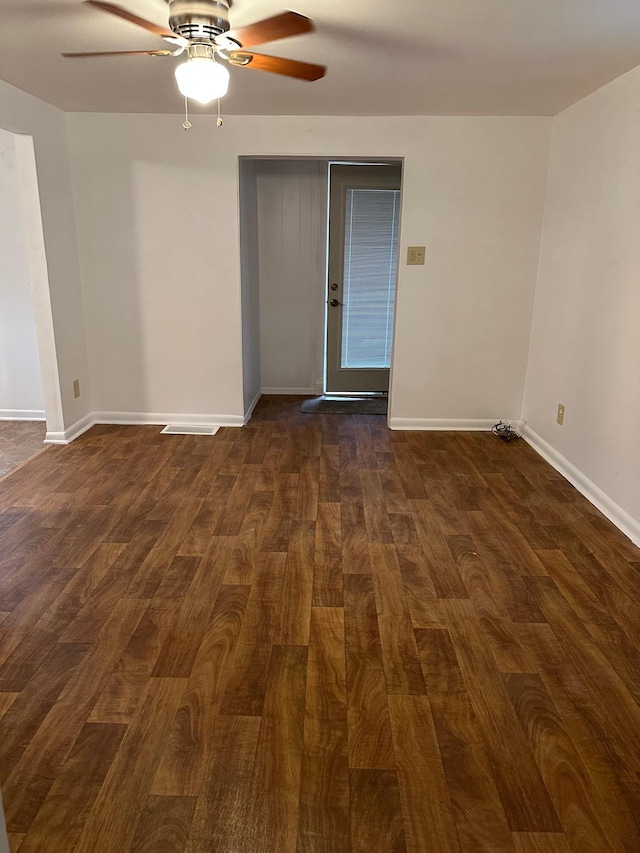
(314, 634)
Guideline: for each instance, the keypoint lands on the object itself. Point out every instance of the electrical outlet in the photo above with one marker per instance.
(415, 255)
(560, 417)
(76, 388)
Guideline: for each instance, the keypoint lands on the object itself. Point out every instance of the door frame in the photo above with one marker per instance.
(38, 270)
(336, 378)
(329, 160)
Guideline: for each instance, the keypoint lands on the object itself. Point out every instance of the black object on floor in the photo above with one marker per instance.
(345, 406)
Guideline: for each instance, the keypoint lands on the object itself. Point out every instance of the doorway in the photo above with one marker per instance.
(29, 385)
(364, 219)
(288, 324)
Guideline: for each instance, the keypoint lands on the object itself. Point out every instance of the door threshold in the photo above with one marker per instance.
(343, 405)
(352, 395)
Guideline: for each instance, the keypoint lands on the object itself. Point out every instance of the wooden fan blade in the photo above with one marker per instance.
(277, 65)
(119, 53)
(272, 29)
(119, 12)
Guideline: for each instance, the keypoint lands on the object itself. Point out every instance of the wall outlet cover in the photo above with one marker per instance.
(415, 255)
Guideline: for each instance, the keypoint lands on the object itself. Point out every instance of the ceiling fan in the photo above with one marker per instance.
(201, 30)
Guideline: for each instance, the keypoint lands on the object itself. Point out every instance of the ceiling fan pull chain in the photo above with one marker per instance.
(219, 121)
(186, 123)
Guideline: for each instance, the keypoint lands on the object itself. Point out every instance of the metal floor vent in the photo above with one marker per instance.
(185, 429)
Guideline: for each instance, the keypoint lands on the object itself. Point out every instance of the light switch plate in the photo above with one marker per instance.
(415, 255)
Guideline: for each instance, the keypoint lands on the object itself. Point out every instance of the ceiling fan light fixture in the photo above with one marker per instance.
(201, 29)
(202, 79)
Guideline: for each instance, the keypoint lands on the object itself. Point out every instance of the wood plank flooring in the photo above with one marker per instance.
(311, 635)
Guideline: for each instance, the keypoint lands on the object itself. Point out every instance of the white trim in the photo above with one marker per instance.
(22, 415)
(608, 507)
(162, 418)
(55, 438)
(319, 387)
(443, 424)
(253, 404)
(140, 419)
(72, 433)
(290, 391)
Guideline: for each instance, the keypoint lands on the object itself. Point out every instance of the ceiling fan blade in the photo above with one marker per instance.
(277, 65)
(119, 12)
(272, 29)
(119, 53)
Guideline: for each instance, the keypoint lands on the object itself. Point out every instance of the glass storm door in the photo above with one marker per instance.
(364, 216)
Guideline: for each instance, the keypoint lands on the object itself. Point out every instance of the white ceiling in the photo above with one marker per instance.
(408, 57)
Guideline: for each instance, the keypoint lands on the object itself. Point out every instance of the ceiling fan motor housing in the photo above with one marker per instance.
(199, 19)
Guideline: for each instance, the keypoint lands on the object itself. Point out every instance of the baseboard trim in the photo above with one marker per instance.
(141, 419)
(594, 494)
(307, 392)
(319, 387)
(163, 418)
(443, 424)
(253, 404)
(72, 433)
(22, 415)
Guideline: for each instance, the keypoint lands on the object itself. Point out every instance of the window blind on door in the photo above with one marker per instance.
(369, 280)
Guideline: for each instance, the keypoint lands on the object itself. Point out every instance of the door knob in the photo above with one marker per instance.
(334, 303)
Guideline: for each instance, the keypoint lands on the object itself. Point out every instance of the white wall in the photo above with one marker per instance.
(164, 325)
(292, 217)
(585, 343)
(57, 290)
(20, 381)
